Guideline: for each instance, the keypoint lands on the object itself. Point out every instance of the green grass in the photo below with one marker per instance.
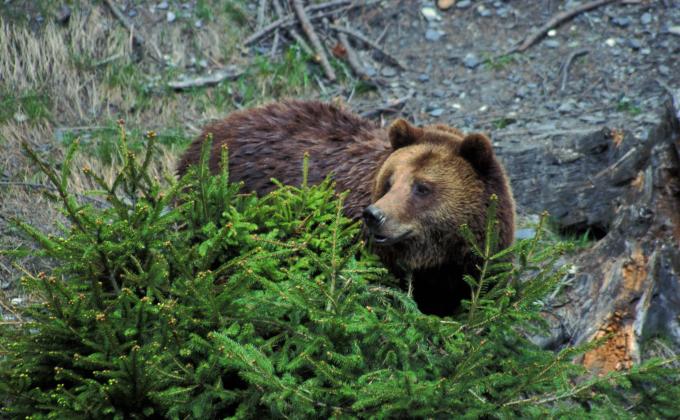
(264, 78)
(33, 105)
(235, 11)
(628, 106)
(500, 62)
(102, 143)
(501, 123)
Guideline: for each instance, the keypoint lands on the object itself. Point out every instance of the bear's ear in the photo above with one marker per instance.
(402, 134)
(476, 148)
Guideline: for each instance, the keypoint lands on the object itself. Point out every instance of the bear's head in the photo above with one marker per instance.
(435, 180)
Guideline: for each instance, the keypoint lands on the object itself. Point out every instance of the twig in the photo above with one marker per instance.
(230, 72)
(289, 19)
(557, 20)
(292, 31)
(352, 57)
(390, 106)
(260, 13)
(139, 40)
(567, 64)
(361, 37)
(314, 39)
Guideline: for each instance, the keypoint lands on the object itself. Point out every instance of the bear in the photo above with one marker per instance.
(413, 186)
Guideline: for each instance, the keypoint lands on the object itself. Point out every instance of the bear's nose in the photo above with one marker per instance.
(373, 216)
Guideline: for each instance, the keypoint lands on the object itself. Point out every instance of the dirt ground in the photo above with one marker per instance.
(623, 57)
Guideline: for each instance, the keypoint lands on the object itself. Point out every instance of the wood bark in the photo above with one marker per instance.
(627, 286)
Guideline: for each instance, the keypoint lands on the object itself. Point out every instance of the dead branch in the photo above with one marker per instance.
(352, 58)
(567, 64)
(392, 106)
(314, 39)
(289, 19)
(557, 20)
(136, 37)
(361, 37)
(217, 76)
(139, 40)
(262, 5)
(292, 31)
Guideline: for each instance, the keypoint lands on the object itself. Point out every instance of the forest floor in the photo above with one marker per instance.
(69, 70)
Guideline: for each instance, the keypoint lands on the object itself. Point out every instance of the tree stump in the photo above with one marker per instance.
(627, 192)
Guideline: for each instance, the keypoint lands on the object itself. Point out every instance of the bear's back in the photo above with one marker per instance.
(270, 142)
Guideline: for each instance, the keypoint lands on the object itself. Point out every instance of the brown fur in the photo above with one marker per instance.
(426, 181)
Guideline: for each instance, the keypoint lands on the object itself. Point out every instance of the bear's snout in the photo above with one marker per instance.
(382, 229)
(373, 217)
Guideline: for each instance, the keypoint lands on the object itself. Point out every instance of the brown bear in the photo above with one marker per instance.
(413, 186)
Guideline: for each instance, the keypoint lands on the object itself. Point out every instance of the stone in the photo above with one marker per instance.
(64, 14)
(646, 18)
(433, 34)
(162, 5)
(423, 77)
(634, 44)
(437, 112)
(463, 4)
(621, 22)
(664, 70)
(388, 71)
(430, 13)
(471, 61)
(526, 233)
(552, 43)
(170, 17)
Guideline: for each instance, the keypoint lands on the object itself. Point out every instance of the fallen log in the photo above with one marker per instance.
(627, 286)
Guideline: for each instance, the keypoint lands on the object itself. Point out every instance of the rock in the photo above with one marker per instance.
(388, 71)
(552, 43)
(471, 61)
(132, 13)
(551, 33)
(430, 14)
(634, 44)
(423, 77)
(445, 4)
(664, 70)
(170, 17)
(483, 11)
(162, 5)
(675, 30)
(621, 22)
(198, 23)
(463, 4)
(527, 233)
(437, 112)
(433, 34)
(503, 12)
(20, 117)
(610, 42)
(64, 14)
(646, 19)
(39, 18)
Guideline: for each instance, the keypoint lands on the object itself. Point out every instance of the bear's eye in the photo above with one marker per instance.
(387, 185)
(421, 189)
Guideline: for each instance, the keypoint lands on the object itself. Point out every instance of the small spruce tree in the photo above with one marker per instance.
(194, 300)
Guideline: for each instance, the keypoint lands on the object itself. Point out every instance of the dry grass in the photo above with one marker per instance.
(90, 76)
